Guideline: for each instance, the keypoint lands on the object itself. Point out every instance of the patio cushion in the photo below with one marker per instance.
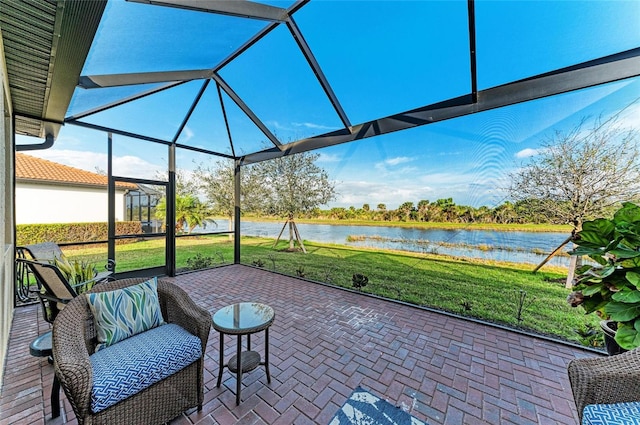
(125, 312)
(128, 367)
(612, 414)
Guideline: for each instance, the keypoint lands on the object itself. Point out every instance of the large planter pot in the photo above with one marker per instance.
(609, 329)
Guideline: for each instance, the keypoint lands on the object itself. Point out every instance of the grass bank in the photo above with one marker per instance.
(505, 293)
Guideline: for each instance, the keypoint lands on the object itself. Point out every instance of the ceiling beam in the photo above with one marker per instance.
(471, 16)
(147, 138)
(192, 108)
(239, 8)
(119, 102)
(248, 112)
(604, 70)
(119, 80)
(258, 36)
(226, 119)
(315, 67)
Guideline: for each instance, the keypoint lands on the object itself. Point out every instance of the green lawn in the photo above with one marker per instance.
(489, 291)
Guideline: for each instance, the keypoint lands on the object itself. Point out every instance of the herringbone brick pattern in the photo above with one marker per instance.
(323, 344)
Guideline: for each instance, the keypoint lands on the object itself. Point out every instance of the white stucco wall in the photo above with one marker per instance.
(44, 203)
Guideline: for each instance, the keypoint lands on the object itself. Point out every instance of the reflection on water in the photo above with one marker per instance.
(521, 247)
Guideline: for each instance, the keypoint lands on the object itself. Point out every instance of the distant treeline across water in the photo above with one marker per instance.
(444, 211)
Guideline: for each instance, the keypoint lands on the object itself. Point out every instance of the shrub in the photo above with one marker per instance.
(27, 234)
(199, 261)
(359, 281)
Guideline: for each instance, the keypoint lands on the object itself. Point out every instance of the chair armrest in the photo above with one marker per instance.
(51, 305)
(110, 266)
(22, 252)
(182, 310)
(85, 286)
(71, 356)
(53, 299)
(605, 380)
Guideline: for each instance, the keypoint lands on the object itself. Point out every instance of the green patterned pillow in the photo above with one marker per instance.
(125, 312)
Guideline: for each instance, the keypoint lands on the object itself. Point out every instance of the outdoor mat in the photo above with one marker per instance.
(364, 408)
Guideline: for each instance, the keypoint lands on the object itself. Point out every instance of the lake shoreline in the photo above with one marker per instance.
(499, 244)
(533, 228)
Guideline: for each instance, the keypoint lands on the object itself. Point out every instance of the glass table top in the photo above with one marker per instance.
(243, 318)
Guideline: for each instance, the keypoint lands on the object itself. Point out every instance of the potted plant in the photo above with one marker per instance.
(77, 272)
(611, 287)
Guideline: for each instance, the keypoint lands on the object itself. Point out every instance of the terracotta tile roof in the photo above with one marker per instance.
(36, 169)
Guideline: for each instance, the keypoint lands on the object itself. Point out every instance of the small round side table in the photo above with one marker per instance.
(243, 319)
(42, 347)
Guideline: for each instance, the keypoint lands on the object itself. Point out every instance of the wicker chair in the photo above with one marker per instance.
(605, 380)
(74, 339)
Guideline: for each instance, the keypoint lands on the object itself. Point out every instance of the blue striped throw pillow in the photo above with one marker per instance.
(125, 312)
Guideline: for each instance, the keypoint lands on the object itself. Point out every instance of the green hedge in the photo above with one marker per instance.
(27, 234)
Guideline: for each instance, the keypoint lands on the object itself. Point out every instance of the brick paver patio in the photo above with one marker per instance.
(324, 343)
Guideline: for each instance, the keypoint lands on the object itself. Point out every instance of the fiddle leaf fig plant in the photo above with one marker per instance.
(611, 287)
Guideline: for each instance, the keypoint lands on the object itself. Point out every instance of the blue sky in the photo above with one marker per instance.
(381, 58)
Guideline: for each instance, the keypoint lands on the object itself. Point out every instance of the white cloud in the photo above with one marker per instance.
(187, 133)
(295, 126)
(527, 153)
(133, 166)
(407, 170)
(398, 160)
(277, 126)
(382, 166)
(324, 157)
(447, 179)
(356, 193)
(630, 117)
(125, 166)
(475, 188)
(89, 161)
(313, 126)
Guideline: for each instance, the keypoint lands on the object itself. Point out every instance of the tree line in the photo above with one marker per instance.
(442, 211)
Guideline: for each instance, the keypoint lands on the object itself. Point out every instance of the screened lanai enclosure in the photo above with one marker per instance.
(400, 100)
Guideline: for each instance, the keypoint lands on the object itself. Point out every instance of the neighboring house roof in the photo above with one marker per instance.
(31, 168)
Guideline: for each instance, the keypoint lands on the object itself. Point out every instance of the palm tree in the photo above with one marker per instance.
(190, 212)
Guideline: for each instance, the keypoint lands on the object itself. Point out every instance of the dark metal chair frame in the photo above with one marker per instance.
(45, 252)
(51, 302)
(54, 292)
(50, 299)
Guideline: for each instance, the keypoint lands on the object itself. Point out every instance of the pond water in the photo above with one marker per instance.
(522, 247)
